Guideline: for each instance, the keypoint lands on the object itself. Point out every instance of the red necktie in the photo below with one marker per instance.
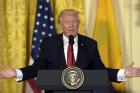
(69, 55)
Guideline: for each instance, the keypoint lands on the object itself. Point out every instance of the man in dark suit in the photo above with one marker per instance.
(53, 53)
(52, 57)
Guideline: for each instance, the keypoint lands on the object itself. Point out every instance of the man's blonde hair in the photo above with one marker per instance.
(66, 12)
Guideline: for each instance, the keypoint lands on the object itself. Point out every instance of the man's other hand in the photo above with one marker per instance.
(131, 71)
(7, 72)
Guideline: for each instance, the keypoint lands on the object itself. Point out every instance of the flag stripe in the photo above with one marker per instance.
(32, 84)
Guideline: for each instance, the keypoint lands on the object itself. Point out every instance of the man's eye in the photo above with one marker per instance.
(70, 22)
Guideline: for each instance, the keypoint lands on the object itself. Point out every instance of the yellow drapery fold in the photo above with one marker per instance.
(17, 19)
(106, 34)
(59, 5)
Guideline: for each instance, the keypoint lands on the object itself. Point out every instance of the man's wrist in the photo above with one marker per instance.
(121, 75)
(15, 73)
(19, 75)
(126, 73)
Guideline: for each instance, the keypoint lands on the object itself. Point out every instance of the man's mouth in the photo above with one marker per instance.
(71, 30)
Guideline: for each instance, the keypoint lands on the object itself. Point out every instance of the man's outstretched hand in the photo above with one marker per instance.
(7, 72)
(131, 71)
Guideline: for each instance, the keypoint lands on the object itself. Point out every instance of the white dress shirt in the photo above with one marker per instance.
(120, 75)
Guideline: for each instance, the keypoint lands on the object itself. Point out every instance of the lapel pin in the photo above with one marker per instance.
(82, 44)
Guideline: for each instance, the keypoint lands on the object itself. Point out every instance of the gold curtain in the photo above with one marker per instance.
(16, 26)
(107, 36)
(59, 5)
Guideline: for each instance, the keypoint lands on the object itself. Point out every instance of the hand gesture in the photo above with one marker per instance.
(131, 71)
(7, 72)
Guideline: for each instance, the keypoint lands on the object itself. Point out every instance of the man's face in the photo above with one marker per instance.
(69, 24)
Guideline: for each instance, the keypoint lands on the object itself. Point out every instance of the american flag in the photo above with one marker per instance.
(44, 27)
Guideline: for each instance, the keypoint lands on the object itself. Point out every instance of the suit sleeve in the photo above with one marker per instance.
(98, 64)
(32, 70)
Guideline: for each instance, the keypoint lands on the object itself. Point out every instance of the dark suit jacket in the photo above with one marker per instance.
(52, 57)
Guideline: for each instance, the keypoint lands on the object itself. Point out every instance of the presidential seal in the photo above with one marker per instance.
(72, 77)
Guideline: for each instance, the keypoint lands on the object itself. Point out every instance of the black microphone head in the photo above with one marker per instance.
(71, 39)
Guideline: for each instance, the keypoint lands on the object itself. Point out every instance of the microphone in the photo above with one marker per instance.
(71, 39)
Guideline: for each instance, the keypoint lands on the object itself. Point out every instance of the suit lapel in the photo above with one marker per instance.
(81, 56)
(60, 52)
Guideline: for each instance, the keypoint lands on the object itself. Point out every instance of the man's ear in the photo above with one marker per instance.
(60, 25)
